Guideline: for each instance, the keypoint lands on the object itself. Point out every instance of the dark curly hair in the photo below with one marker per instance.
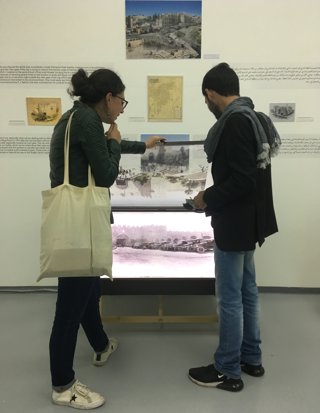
(93, 88)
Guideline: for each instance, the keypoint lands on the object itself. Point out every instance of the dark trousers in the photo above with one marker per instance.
(77, 303)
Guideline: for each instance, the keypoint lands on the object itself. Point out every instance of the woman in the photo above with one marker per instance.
(101, 100)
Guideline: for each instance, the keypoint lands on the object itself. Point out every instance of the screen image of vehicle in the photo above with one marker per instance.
(162, 245)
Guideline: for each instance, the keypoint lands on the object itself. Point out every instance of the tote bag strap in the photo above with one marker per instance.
(66, 155)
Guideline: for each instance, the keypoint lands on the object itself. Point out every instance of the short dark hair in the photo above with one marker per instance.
(93, 88)
(222, 79)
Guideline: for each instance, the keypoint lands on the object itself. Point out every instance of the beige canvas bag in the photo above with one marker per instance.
(75, 238)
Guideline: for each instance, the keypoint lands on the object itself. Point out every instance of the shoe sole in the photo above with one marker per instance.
(92, 406)
(200, 383)
(216, 385)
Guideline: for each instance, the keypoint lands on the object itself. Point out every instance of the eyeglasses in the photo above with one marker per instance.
(123, 101)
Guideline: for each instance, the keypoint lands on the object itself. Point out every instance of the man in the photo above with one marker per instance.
(240, 204)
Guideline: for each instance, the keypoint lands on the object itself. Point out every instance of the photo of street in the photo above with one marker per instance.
(163, 29)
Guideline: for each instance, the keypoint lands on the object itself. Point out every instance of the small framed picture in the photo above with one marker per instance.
(43, 111)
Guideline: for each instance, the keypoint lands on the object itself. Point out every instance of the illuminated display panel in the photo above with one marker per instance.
(163, 177)
(162, 245)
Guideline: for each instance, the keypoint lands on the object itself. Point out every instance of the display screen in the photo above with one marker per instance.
(163, 177)
(162, 245)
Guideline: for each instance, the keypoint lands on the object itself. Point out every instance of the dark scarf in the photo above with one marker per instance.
(267, 145)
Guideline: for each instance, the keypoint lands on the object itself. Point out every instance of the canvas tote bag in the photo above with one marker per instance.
(75, 238)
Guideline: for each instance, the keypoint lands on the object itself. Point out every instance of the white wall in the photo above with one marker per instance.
(244, 33)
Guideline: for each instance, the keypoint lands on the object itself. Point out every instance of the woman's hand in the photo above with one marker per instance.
(113, 133)
(153, 140)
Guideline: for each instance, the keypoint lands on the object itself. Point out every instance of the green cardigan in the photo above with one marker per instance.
(88, 145)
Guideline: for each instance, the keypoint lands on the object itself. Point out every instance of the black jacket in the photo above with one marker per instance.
(240, 201)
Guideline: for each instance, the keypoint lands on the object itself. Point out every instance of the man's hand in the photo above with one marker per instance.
(198, 201)
(153, 140)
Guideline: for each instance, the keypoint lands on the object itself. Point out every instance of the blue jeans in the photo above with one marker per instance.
(238, 311)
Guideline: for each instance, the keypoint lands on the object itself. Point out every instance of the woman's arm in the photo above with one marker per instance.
(140, 147)
(103, 155)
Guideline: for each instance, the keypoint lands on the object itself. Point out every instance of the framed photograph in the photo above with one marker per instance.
(163, 29)
(43, 111)
(282, 112)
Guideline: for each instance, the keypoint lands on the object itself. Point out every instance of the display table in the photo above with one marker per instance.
(159, 288)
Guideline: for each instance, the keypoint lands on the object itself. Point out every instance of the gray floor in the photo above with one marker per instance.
(148, 372)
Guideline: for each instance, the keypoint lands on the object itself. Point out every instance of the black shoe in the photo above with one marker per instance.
(252, 370)
(210, 377)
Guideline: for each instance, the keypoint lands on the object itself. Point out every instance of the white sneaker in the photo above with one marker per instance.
(99, 359)
(78, 396)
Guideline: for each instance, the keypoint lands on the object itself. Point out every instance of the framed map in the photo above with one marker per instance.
(165, 98)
